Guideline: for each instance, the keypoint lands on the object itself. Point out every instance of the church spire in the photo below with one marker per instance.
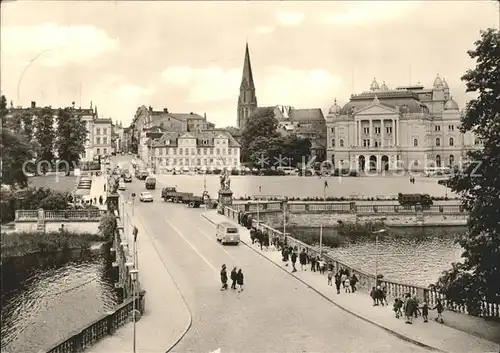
(247, 71)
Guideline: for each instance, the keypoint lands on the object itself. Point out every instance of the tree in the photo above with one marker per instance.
(478, 278)
(27, 120)
(296, 149)
(44, 133)
(258, 126)
(15, 151)
(71, 136)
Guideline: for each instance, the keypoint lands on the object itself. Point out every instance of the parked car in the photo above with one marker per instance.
(127, 178)
(146, 197)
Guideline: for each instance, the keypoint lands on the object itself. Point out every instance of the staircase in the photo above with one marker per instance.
(40, 225)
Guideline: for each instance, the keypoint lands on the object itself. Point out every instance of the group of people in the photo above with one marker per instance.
(236, 279)
(317, 264)
(412, 309)
(101, 200)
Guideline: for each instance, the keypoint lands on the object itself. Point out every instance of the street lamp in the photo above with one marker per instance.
(133, 275)
(380, 231)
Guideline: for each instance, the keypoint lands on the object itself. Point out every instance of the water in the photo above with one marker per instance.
(37, 312)
(406, 255)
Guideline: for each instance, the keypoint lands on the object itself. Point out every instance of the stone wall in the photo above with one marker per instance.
(71, 226)
(275, 219)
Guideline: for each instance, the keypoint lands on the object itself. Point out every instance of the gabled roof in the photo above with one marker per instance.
(306, 115)
(187, 135)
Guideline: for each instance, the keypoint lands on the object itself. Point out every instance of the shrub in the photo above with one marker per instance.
(107, 226)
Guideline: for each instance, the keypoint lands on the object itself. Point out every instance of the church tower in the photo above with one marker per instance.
(247, 101)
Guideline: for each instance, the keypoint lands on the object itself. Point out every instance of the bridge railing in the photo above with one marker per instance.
(367, 280)
(58, 215)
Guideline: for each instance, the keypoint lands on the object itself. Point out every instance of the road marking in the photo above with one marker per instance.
(216, 351)
(214, 241)
(191, 245)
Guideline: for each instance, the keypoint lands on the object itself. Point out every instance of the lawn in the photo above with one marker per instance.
(56, 182)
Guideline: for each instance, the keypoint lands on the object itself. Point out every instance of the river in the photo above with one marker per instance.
(410, 255)
(45, 297)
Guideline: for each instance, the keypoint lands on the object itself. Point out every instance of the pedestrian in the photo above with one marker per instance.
(440, 308)
(398, 304)
(409, 309)
(285, 255)
(343, 278)
(337, 282)
(354, 281)
(322, 266)
(330, 277)
(253, 235)
(294, 260)
(417, 306)
(303, 260)
(100, 200)
(266, 241)
(347, 285)
(223, 277)
(233, 278)
(384, 294)
(239, 280)
(425, 312)
(313, 263)
(373, 295)
(95, 200)
(104, 187)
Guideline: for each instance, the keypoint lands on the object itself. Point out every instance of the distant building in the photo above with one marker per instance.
(402, 128)
(195, 149)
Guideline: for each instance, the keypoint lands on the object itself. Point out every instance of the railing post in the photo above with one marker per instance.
(78, 342)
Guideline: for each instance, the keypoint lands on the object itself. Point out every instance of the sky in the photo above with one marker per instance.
(188, 56)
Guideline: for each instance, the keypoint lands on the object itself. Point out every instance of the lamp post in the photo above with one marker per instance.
(133, 275)
(380, 231)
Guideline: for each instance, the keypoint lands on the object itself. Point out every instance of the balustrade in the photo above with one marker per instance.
(367, 280)
(49, 215)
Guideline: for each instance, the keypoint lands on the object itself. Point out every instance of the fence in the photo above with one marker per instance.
(367, 280)
(346, 207)
(58, 215)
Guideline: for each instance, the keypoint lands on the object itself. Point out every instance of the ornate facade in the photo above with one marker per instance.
(389, 129)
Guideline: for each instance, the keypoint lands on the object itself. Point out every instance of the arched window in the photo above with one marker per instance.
(415, 143)
(438, 161)
(438, 142)
(341, 143)
(451, 141)
(452, 160)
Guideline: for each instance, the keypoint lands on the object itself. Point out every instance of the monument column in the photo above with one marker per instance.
(382, 132)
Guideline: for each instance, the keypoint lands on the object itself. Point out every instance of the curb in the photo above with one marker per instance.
(392, 332)
(190, 314)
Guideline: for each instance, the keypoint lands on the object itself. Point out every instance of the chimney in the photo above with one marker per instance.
(165, 110)
(33, 104)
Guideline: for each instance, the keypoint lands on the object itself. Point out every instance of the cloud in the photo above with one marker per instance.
(55, 45)
(134, 91)
(359, 13)
(204, 84)
(301, 88)
(264, 29)
(290, 18)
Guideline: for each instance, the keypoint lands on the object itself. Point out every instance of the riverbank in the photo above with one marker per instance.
(17, 244)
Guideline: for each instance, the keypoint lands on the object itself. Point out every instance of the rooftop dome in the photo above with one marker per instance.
(451, 104)
(374, 86)
(438, 82)
(445, 84)
(384, 87)
(335, 108)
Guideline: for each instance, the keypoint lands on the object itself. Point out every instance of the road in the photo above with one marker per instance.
(275, 312)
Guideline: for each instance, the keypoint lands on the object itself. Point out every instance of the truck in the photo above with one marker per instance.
(141, 174)
(151, 182)
(409, 200)
(171, 194)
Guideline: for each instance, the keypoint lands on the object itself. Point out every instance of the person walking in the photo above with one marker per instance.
(95, 200)
(223, 277)
(440, 308)
(100, 200)
(303, 260)
(233, 278)
(425, 312)
(330, 276)
(354, 281)
(294, 260)
(239, 280)
(338, 281)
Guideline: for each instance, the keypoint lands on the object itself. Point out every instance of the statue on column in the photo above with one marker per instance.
(225, 180)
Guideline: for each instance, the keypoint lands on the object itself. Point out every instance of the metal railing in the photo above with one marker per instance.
(367, 280)
(58, 215)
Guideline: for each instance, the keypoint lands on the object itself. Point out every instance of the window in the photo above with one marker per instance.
(438, 142)
(205, 151)
(452, 160)
(438, 161)
(211, 151)
(198, 151)
(98, 140)
(104, 131)
(376, 143)
(341, 143)
(98, 151)
(333, 142)
(229, 151)
(366, 130)
(174, 150)
(180, 151)
(377, 130)
(105, 140)
(437, 128)
(388, 129)
(97, 131)
(223, 151)
(415, 143)
(451, 128)
(366, 143)
(333, 130)
(105, 151)
(217, 151)
(451, 141)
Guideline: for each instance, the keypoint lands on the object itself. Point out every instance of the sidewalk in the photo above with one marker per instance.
(431, 334)
(166, 317)
(97, 189)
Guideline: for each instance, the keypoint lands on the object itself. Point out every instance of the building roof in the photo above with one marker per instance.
(103, 121)
(204, 135)
(406, 101)
(262, 112)
(306, 115)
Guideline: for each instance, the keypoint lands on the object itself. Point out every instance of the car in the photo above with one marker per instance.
(127, 178)
(146, 197)
(121, 186)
